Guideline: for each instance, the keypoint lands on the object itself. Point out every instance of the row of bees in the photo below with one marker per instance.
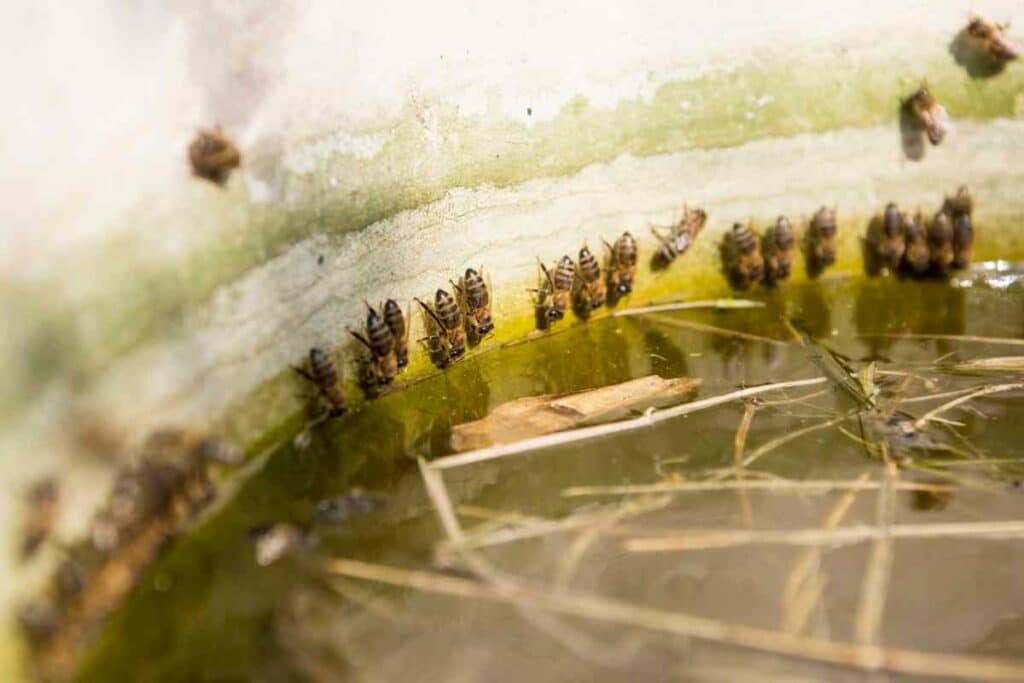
(910, 245)
(895, 241)
(168, 483)
(458, 320)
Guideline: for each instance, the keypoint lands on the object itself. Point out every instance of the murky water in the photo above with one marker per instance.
(207, 611)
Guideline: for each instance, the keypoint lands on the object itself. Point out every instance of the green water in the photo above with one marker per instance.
(207, 612)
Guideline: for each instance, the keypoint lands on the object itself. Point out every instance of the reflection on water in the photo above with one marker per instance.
(218, 616)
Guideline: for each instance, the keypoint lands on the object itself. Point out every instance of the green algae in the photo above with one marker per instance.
(125, 301)
(206, 611)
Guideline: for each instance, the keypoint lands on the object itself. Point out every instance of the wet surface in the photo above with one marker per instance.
(208, 611)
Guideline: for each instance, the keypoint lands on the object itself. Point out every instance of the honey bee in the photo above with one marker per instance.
(963, 241)
(930, 114)
(557, 294)
(213, 155)
(475, 296)
(742, 261)
(885, 240)
(940, 241)
(820, 242)
(777, 249)
(382, 365)
(592, 292)
(448, 343)
(395, 321)
(990, 39)
(323, 375)
(960, 203)
(42, 504)
(621, 268)
(203, 447)
(681, 236)
(917, 255)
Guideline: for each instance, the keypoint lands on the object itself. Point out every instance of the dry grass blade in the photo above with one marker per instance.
(771, 485)
(577, 435)
(718, 304)
(800, 594)
(739, 443)
(935, 397)
(875, 587)
(770, 446)
(701, 539)
(595, 608)
(951, 337)
(712, 329)
(983, 391)
(999, 364)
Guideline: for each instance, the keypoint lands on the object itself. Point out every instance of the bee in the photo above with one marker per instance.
(323, 374)
(960, 203)
(885, 240)
(820, 242)
(916, 256)
(475, 296)
(940, 241)
(963, 240)
(42, 504)
(592, 292)
(621, 266)
(990, 39)
(382, 365)
(448, 343)
(777, 249)
(558, 289)
(742, 261)
(395, 321)
(38, 621)
(681, 236)
(203, 447)
(213, 155)
(930, 114)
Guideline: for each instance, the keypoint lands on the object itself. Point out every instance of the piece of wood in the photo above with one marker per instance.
(537, 415)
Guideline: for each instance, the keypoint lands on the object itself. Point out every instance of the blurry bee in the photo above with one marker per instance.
(205, 448)
(742, 261)
(960, 203)
(395, 321)
(990, 39)
(960, 207)
(475, 297)
(38, 621)
(885, 240)
(323, 374)
(383, 362)
(681, 236)
(621, 267)
(42, 504)
(930, 114)
(592, 292)
(140, 492)
(557, 294)
(917, 255)
(820, 242)
(448, 343)
(777, 250)
(940, 241)
(213, 155)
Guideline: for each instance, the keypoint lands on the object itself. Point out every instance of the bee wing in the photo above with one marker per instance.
(429, 311)
(547, 274)
(302, 372)
(362, 339)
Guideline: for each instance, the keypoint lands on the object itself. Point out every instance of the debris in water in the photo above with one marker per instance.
(536, 415)
(355, 503)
